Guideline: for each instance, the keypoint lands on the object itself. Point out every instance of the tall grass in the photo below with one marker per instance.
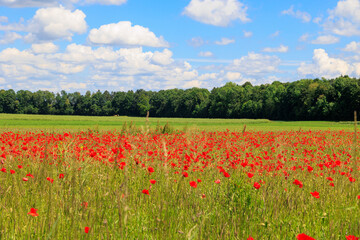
(107, 196)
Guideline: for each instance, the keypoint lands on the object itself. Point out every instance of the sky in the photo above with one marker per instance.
(121, 45)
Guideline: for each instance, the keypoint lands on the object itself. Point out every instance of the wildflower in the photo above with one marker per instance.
(217, 181)
(315, 194)
(303, 236)
(250, 175)
(50, 179)
(25, 179)
(33, 212)
(297, 182)
(151, 170)
(185, 174)
(257, 185)
(351, 237)
(152, 181)
(193, 184)
(199, 180)
(145, 191)
(331, 184)
(250, 238)
(87, 229)
(12, 171)
(61, 175)
(3, 170)
(226, 174)
(85, 204)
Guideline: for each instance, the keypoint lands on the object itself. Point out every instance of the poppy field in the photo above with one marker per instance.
(180, 185)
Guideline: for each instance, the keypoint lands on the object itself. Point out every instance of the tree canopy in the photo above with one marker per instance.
(306, 99)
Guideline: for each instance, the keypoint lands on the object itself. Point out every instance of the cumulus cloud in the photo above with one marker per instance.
(344, 20)
(247, 34)
(124, 34)
(324, 66)
(54, 3)
(56, 23)
(304, 37)
(206, 54)
(44, 48)
(303, 16)
(9, 37)
(97, 67)
(255, 64)
(325, 39)
(197, 42)
(216, 12)
(280, 49)
(352, 47)
(225, 41)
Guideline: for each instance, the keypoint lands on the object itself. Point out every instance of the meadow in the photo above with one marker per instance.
(94, 178)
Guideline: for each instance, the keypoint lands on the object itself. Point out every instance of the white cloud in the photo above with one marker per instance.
(304, 16)
(206, 54)
(255, 64)
(304, 37)
(56, 23)
(275, 34)
(225, 41)
(352, 47)
(54, 3)
(123, 34)
(4, 19)
(216, 12)
(325, 39)
(232, 76)
(344, 20)
(324, 66)
(44, 47)
(163, 58)
(280, 49)
(317, 20)
(9, 37)
(247, 34)
(104, 2)
(2, 80)
(197, 42)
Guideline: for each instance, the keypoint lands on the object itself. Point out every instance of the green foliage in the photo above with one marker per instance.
(306, 99)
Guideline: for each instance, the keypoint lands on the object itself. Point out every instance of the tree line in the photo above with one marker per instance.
(306, 99)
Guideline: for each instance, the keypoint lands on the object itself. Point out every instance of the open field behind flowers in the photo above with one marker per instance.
(10, 122)
(184, 185)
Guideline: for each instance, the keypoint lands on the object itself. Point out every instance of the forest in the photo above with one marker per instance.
(306, 99)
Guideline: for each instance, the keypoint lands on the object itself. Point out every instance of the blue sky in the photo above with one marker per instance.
(118, 45)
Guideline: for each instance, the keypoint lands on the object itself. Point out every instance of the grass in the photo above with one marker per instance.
(103, 191)
(76, 123)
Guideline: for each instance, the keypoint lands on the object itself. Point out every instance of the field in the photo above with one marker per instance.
(73, 123)
(93, 178)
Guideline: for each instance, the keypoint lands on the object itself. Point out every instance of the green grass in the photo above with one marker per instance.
(54, 123)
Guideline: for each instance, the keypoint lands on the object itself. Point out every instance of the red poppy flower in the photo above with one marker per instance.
(19, 166)
(303, 236)
(25, 179)
(332, 184)
(85, 204)
(203, 196)
(193, 184)
(61, 175)
(152, 181)
(358, 196)
(3, 170)
(151, 170)
(330, 179)
(87, 229)
(351, 179)
(351, 237)
(199, 180)
(226, 174)
(12, 171)
(250, 238)
(297, 182)
(50, 179)
(145, 191)
(33, 212)
(185, 174)
(250, 175)
(257, 185)
(315, 194)
(217, 181)
(29, 175)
